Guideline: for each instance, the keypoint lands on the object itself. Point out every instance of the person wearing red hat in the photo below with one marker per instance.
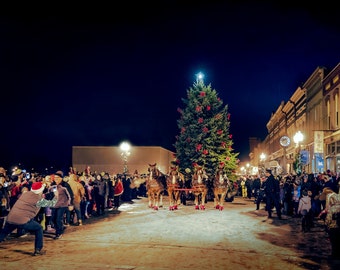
(25, 209)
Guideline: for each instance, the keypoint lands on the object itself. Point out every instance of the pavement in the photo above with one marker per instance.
(138, 237)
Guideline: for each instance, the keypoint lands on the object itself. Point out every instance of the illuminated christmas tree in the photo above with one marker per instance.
(204, 137)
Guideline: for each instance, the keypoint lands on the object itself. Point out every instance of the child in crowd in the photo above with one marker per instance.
(304, 209)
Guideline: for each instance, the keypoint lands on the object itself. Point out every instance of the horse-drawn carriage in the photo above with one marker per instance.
(199, 188)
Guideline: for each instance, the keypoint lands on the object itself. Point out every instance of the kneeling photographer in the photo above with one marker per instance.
(22, 214)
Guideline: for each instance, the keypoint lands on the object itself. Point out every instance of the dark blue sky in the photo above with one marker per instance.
(100, 75)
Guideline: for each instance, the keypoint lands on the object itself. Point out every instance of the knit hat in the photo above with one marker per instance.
(17, 172)
(37, 187)
(59, 173)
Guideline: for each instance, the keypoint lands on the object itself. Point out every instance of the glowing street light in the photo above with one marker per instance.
(298, 137)
(262, 157)
(262, 160)
(125, 148)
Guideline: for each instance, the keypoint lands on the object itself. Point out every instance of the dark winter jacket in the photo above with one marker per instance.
(64, 199)
(272, 185)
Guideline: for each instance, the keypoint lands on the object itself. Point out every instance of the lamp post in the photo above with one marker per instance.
(262, 160)
(298, 138)
(125, 148)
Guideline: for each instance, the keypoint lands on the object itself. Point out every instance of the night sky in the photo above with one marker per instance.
(95, 76)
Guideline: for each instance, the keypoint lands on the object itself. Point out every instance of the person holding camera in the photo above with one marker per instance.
(22, 214)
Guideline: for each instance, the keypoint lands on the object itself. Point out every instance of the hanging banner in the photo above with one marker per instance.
(318, 141)
(319, 162)
(304, 157)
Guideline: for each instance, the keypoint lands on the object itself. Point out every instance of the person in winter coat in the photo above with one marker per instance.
(118, 191)
(272, 194)
(78, 195)
(332, 222)
(304, 209)
(243, 188)
(70, 209)
(59, 210)
(22, 214)
(256, 187)
(261, 196)
(100, 189)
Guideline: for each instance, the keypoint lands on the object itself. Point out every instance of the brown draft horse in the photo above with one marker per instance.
(173, 182)
(220, 187)
(155, 187)
(199, 187)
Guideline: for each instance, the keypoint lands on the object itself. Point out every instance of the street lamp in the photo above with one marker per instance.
(262, 157)
(298, 137)
(125, 148)
(262, 160)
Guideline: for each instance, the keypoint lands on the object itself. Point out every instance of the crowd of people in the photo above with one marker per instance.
(55, 201)
(50, 203)
(305, 196)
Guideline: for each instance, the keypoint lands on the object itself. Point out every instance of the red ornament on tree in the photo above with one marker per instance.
(200, 120)
(205, 152)
(202, 94)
